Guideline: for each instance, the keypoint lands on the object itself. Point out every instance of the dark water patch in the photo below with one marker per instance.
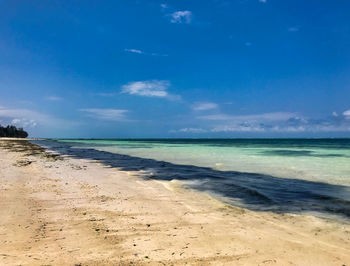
(119, 145)
(297, 153)
(249, 143)
(253, 191)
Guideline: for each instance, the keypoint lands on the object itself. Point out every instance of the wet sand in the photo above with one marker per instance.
(57, 210)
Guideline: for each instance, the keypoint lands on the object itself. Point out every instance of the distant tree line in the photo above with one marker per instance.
(12, 132)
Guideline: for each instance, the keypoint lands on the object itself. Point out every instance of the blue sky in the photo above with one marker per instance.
(215, 68)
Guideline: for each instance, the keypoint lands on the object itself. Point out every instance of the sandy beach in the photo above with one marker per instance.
(58, 210)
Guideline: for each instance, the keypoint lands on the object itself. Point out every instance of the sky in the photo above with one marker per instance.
(176, 68)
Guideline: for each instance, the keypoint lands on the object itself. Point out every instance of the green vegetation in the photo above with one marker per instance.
(12, 132)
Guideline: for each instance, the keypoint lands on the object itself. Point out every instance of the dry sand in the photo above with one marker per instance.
(56, 210)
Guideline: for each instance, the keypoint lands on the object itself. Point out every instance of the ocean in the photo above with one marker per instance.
(310, 176)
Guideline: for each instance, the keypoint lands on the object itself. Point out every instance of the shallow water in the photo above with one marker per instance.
(292, 175)
(314, 160)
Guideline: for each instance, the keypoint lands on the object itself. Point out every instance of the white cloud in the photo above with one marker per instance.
(253, 127)
(15, 121)
(266, 122)
(17, 115)
(31, 118)
(54, 98)
(277, 116)
(262, 1)
(281, 128)
(189, 130)
(164, 6)
(238, 128)
(202, 106)
(24, 122)
(148, 88)
(135, 51)
(277, 122)
(181, 17)
(105, 114)
(347, 114)
(330, 128)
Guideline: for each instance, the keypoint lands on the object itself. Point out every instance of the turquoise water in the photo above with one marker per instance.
(314, 160)
(275, 174)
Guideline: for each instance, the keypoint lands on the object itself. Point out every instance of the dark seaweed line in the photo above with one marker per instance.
(253, 191)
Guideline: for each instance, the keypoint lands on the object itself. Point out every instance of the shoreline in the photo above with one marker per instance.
(250, 189)
(63, 210)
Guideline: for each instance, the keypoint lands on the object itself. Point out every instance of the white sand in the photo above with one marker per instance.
(74, 211)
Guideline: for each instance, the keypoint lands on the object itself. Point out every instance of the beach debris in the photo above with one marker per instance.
(22, 163)
(267, 261)
(76, 167)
